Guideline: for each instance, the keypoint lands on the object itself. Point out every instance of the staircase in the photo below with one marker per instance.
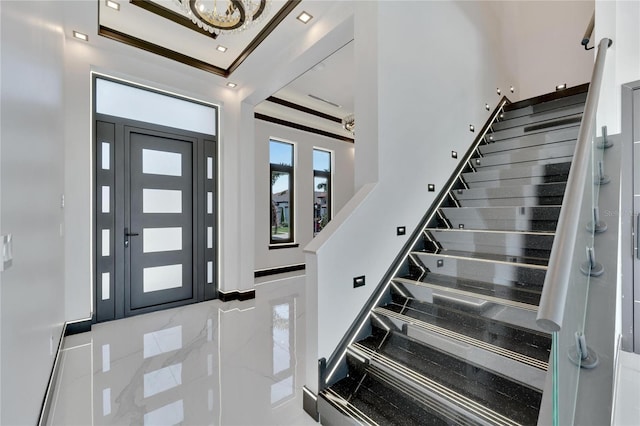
(453, 339)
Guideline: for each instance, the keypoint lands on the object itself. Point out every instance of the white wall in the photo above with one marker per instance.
(342, 157)
(32, 178)
(542, 41)
(436, 65)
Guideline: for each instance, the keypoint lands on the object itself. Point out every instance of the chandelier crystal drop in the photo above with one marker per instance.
(224, 16)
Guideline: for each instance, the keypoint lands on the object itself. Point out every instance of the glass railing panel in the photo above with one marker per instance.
(567, 362)
(563, 307)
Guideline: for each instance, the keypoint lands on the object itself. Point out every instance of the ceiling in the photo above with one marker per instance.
(161, 27)
(329, 82)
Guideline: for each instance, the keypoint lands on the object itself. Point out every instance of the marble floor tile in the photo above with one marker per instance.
(212, 363)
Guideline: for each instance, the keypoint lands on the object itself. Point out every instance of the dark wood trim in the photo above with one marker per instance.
(575, 90)
(236, 295)
(297, 126)
(273, 23)
(180, 20)
(303, 109)
(77, 327)
(172, 16)
(159, 50)
(280, 270)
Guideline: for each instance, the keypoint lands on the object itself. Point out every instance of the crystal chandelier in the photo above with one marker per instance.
(227, 16)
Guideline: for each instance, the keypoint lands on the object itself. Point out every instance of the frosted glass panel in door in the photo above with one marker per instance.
(161, 162)
(161, 278)
(161, 201)
(161, 239)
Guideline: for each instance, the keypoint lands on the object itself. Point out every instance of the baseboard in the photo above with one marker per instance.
(236, 295)
(279, 270)
(310, 403)
(77, 327)
(53, 378)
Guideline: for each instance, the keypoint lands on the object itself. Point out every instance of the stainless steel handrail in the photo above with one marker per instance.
(588, 32)
(556, 282)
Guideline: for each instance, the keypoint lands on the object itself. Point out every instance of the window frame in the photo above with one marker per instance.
(329, 176)
(290, 171)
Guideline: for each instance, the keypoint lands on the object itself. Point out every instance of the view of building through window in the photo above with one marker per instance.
(321, 189)
(281, 166)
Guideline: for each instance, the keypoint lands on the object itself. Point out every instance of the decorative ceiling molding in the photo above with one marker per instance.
(303, 108)
(180, 20)
(301, 127)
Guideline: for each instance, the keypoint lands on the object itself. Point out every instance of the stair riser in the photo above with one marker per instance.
(530, 156)
(500, 311)
(516, 132)
(535, 175)
(546, 106)
(536, 140)
(497, 273)
(504, 219)
(512, 244)
(528, 191)
(537, 118)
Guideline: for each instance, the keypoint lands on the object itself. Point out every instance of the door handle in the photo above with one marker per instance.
(128, 234)
(637, 236)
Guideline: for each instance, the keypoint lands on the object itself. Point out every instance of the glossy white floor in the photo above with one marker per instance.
(213, 363)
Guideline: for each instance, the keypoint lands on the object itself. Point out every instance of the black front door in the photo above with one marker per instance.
(154, 218)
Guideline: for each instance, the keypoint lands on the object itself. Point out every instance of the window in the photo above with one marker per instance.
(282, 212)
(321, 189)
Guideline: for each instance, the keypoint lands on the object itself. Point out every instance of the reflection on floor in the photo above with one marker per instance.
(213, 363)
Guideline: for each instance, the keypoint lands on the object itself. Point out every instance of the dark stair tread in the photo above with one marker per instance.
(514, 400)
(515, 293)
(529, 343)
(382, 404)
(522, 261)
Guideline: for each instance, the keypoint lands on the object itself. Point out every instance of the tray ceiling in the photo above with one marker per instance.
(161, 27)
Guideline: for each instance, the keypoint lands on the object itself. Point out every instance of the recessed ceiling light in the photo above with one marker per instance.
(80, 36)
(232, 85)
(221, 48)
(304, 17)
(561, 86)
(112, 4)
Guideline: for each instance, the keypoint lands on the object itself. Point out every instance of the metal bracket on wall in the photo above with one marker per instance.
(7, 252)
(581, 354)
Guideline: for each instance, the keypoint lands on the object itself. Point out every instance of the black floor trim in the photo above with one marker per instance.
(279, 270)
(236, 295)
(77, 327)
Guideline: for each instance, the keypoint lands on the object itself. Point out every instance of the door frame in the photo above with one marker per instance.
(205, 260)
(630, 217)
